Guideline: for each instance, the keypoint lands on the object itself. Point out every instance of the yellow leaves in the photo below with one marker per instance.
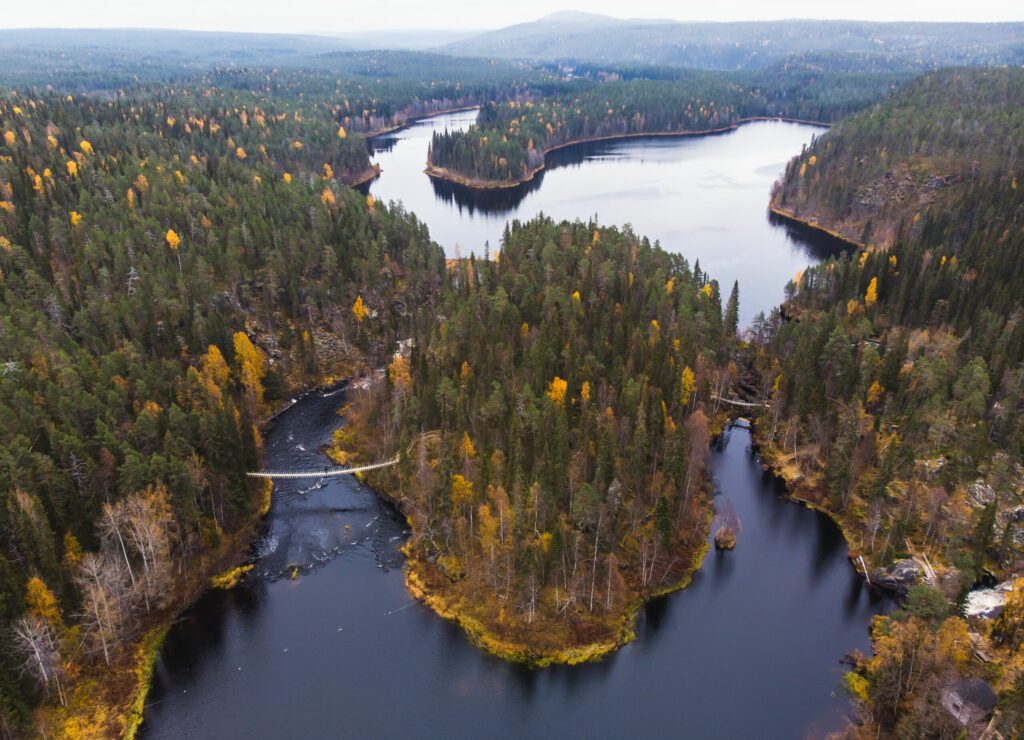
(871, 296)
(287, 178)
(72, 551)
(327, 197)
(130, 195)
(328, 171)
(803, 169)
(240, 153)
(687, 383)
(892, 262)
(706, 290)
(297, 145)
(875, 393)
(359, 310)
(6, 205)
(341, 132)
(585, 391)
(76, 218)
(41, 603)
(230, 578)
(51, 142)
(813, 160)
(5, 244)
(399, 375)
(852, 307)
(10, 139)
(141, 183)
(173, 240)
(863, 260)
(252, 366)
(576, 296)
(37, 184)
(86, 147)
(370, 203)
(468, 450)
(461, 491)
(179, 177)
(72, 167)
(524, 331)
(556, 390)
(152, 408)
(465, 373)
(170, 121)
(670, 286)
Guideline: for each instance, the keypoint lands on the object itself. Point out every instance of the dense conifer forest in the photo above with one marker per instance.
(550, 411)
(510, 139)
(160, 292)
(898, 386)
(180, 253)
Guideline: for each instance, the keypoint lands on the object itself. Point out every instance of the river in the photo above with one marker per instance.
(751, 648)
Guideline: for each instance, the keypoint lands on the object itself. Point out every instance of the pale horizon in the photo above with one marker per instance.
(319, 18)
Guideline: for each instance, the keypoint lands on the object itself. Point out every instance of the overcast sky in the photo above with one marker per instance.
(324, 16)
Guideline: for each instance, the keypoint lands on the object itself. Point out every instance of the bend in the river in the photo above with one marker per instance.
(751, 648)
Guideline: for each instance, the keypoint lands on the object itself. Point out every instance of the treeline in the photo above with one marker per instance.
(159, 294)
(897, 373)
(553, 437)
(509, 140)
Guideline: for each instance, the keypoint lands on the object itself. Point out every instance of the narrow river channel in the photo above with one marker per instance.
(751, 649)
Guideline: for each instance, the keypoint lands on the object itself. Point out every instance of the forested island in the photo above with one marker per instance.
(896, 383)
(549, 416)
(508, 145)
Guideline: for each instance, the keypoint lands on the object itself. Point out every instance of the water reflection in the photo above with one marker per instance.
(750, 649)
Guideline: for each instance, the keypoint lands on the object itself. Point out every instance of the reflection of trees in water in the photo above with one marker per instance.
(816, 243)
(506, 200)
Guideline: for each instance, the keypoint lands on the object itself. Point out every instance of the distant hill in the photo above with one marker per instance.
(747, 45)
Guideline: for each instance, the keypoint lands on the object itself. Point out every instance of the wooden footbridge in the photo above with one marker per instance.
(322, 473)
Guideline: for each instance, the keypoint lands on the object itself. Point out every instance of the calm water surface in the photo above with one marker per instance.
(705, 197)
(750, 649)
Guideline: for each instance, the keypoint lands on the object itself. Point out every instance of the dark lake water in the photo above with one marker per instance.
(751, 649)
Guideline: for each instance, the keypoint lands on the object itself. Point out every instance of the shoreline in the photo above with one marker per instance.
(443, 173)
(817, 226)
(370, 174)
(145, 651)
(369, 136)
(493, 643)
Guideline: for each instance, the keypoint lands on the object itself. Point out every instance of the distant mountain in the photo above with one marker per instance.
(746, 45)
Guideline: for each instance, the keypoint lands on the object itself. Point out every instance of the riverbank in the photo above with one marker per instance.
(475, 183)
(546, 643)
(108, 700)
(491, 621)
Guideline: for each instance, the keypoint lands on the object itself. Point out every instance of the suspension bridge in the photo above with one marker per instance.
(741, 404)
(323, 472)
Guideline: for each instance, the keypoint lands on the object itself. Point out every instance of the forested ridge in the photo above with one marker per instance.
(171, 266)
(550, 415)
(508, 142)
(898, 381)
